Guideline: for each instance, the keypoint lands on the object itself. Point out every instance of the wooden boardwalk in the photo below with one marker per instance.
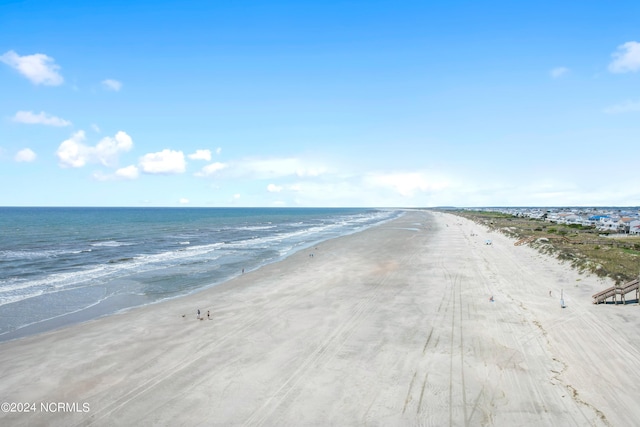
(621, 290)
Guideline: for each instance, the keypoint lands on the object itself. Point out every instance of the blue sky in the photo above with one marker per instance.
(309, 103)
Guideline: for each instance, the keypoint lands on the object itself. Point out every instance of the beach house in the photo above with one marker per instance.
(624, 224)
(608, 224)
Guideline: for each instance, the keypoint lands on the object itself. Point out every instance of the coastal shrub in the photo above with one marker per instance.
(630, 251)
(599, 271)
(566, 256)
(581, 265)
(552, 230)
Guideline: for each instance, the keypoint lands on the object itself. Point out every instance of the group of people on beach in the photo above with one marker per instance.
(208, 312)
(208, 315)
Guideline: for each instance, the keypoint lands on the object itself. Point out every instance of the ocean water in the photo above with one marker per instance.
(65, 265)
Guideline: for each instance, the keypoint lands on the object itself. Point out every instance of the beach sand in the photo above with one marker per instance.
(390, 326)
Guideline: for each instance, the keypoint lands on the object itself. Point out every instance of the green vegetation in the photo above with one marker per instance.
(579, 226)
(491, 214)
(631, 251)
(585, 248)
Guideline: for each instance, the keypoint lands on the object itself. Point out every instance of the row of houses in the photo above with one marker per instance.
(605, 223)
(623, 221)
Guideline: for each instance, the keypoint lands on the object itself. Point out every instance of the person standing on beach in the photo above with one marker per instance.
(198, 316)
(208, 315)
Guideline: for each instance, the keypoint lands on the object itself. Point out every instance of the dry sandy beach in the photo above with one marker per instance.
(390, 326)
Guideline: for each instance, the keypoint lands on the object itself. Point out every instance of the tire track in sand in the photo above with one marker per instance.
(177, 368)
(322, 354)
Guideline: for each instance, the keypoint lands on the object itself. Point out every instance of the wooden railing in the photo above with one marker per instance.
(613, 291)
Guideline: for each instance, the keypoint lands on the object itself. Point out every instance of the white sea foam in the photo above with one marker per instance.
(14, 290)
(15, 255)
(256, 227)
(111, 244)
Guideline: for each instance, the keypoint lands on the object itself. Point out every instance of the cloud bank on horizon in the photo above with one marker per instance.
(379, 113)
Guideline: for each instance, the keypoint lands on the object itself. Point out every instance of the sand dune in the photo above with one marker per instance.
(390, 326)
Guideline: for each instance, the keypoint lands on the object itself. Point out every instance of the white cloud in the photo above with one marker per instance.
(111, 84)
(25, 155)
(558, 72)
(163, 162)
(211, 169)
(129, 172)
(95, 128)
(218, 150)
(236, 196)
(625, 107)
(278, 167)
(41, 118)
(272, 188)
(74, 153)
(270, 168)
(626, 58)
(201, 155)
(265, 169)
(184, 201)
(336, 191)
(39, 68)
(406, 183)
(108, 148)
(101, 176)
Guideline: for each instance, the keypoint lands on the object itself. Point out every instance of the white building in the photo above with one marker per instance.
(608, 224)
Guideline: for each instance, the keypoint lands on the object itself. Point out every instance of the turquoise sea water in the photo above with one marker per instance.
(64, 265)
